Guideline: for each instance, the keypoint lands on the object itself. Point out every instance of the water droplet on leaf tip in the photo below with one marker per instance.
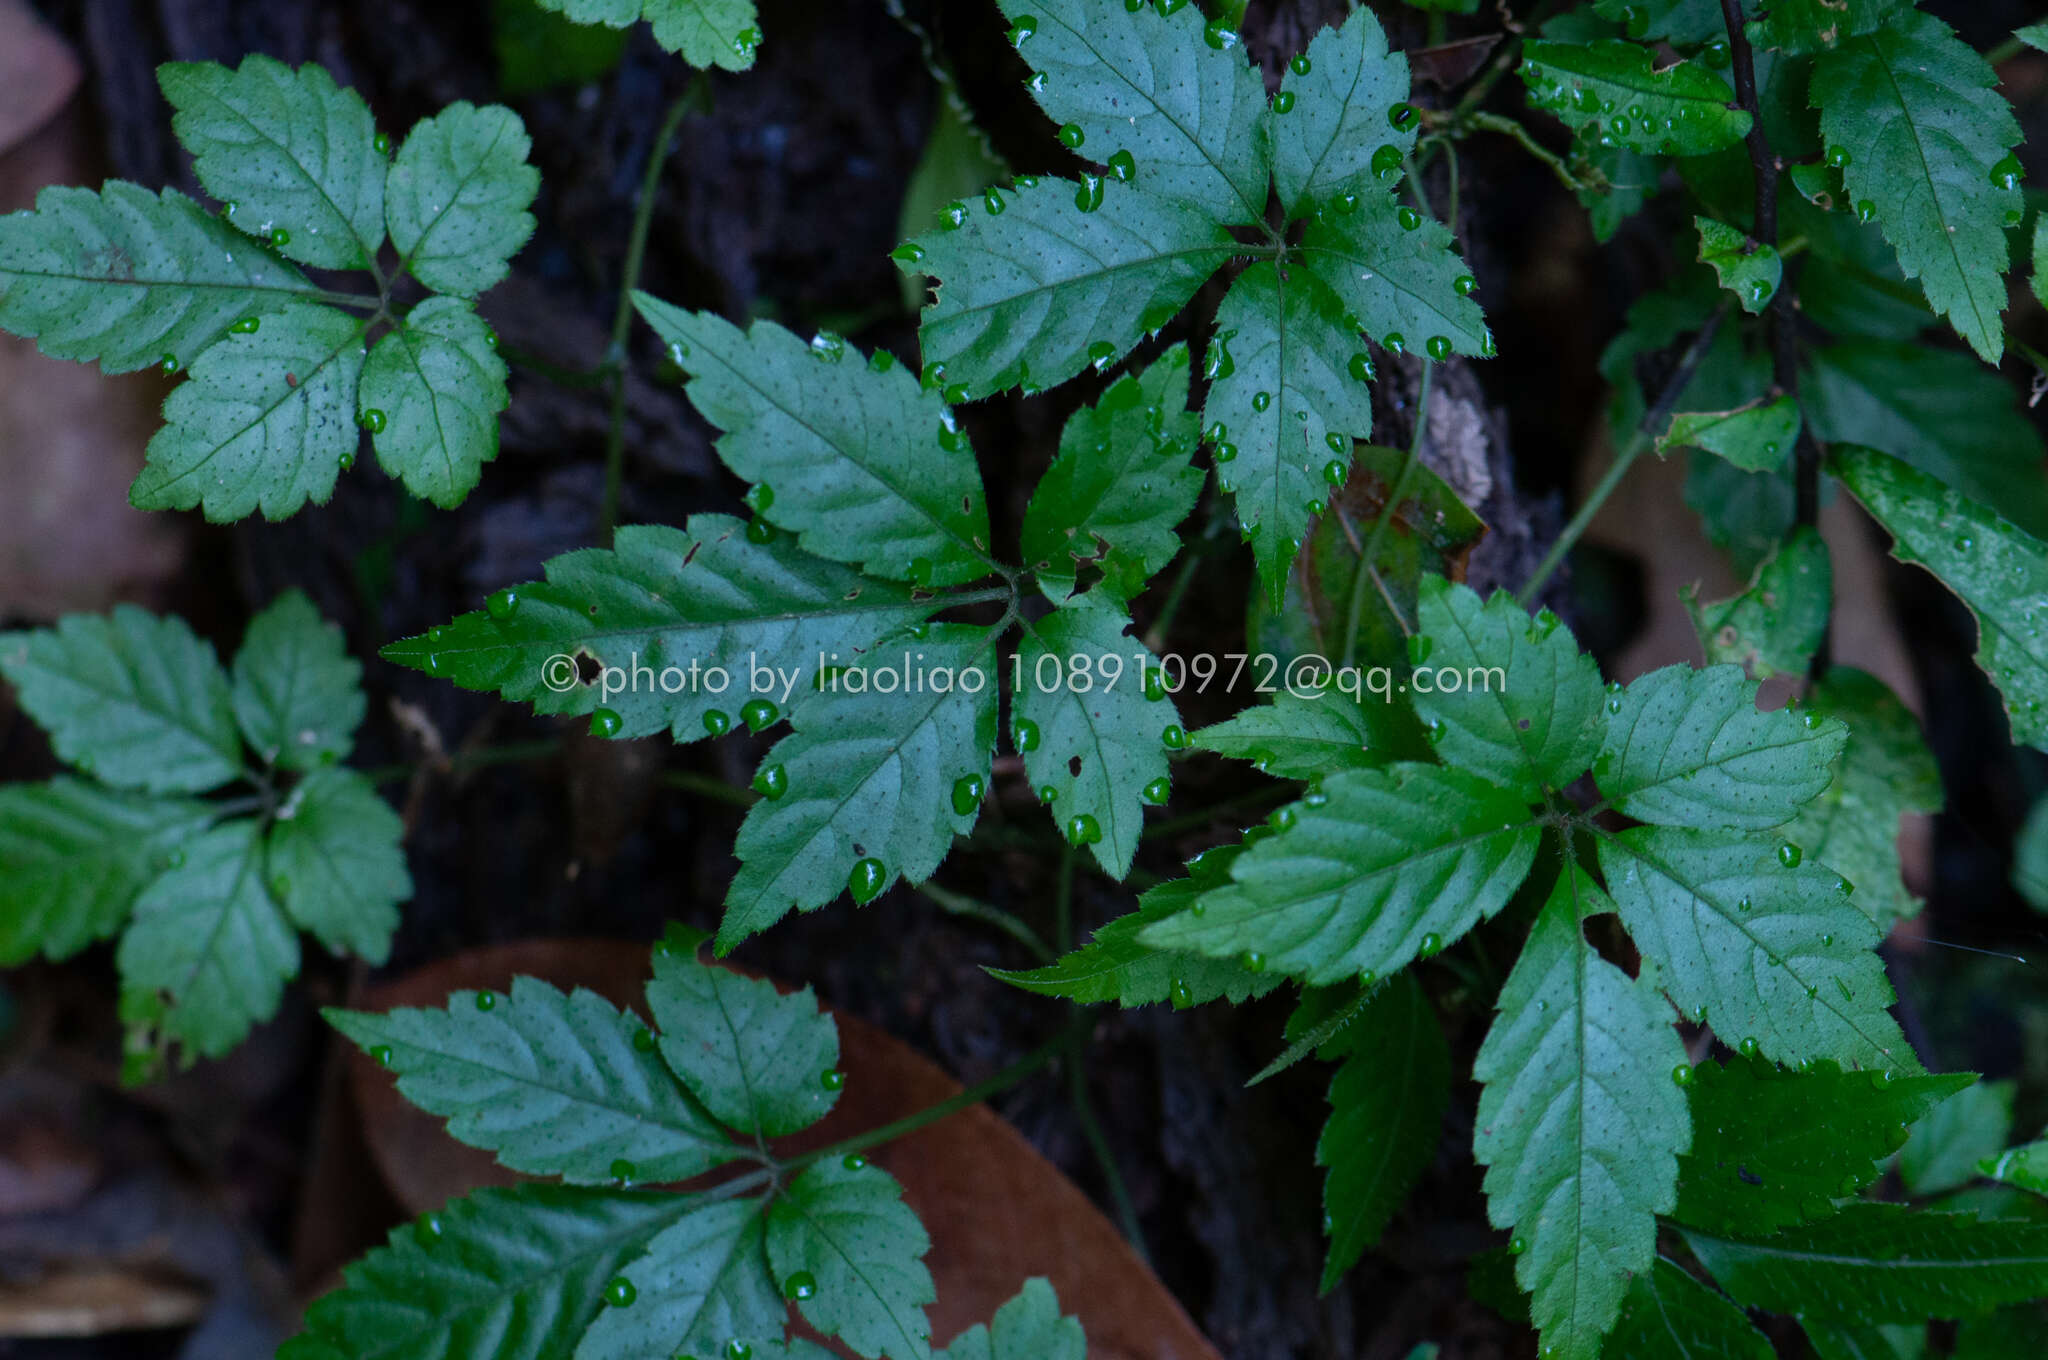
(1403, 116)
(486, 1000)
(832, 1079)
(381, 1055)
(606, 723)
(1301, 65)
(716, 722)
(967, 794)
(771, 782)
(1283, 102)
(373, 420)
(1071, 136)
(866, 880)
(1395, 343)
(1173, 737)
(1682, 1074)
(1439, 347)
(1158, 791)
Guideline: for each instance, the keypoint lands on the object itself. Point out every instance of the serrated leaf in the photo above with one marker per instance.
(1946, 1143)
(1115, 965)
(1668, 1315)
(73, 857)
(958, 163)
(1999, 571)
(1533, 721)
(1397, 281)
(208, 953)
(132, 278)
(135, 700)
(287, 151)
(1749, 269)
(1297, 736)
(702, 1285)
(1387, 1105)
(868, 776)
(554, 1083)
(849, 1230)
(2022, 1329)
(2025, 1166)
(1917, 111)
(1756, 438)
(1283, 392)
(1676, 21)
(1804, 27)
(458, 196)
(1884, 1263)
(1122, 483)
(515, 1274)
(439, 384)
(860, 462)
(750, 1054)
(707, 33)
(1579, 1122)
(1028, 1327)
(661, 600)
(1851, 284)
(1775, 624)
(297, 692)
(1044, 288)
(1772, 1147)
(1688, 747)
(1761, 949)
(265, 421)
(1886, 771)
(1387, 861)
(1627, 182)
(1611, 87)
(337, 865)
(1192, 114)
(1323, 146)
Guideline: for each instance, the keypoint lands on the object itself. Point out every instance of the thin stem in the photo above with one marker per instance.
(482, 757)
(1195, 821)
(2004, 52)
(575, 379)
(710, 786)
(1098, 1143)
(1645, 433)
(1155, 636)
(1387, 513)
(1063, 901)
(974, 909)
(1512, 127)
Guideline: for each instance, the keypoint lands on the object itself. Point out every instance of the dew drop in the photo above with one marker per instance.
(1158, 791)
(486, 1001)
(1361, 367)
(1183, 995)
(853, 1161)
(1301, 65)
(1253, 961)
(1283, 102)
(1224, 452)
(373, 420)
(1465, 285)
(248, 325)
(910, 252)
(1439, 347)
(1155, 684)
(760, 532)
(799, 1286)
(1123, 167)
(1024, 735)
(1518, 1245)
(1083, 829)
(1838, 157)
(1682, 1074)
(1408, 218)
(606, 723)
(1173, 737)
(1021, 31)
(771, 782)
(1071, 136)
(623, 1171)
(620, 1293)
(967, 794)
(716, 722)
(1789, 855)
(643, 1040)
(992, 201)
(502, 604)
(427, 1229)
(1432, 944)
(381, 1055)
(280, 238)
(1386, 162)
(1395, 343)
(2006, 174)
(1403, 117)
(1089, 196)
(1865, 210)
(382, 142)
(866, 880)
(832, 1079)
(1101, 354)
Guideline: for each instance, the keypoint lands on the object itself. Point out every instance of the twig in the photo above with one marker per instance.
(974, 909)
(1387, 513)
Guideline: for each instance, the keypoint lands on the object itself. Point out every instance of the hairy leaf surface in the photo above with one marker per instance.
(73, 857)
(439, 385)
(1668, 1315)
(1323, 146)
(848, 1229)
(1774, 625)
(297, 693)
(1400, 282)
(458, 196)
(1682, 110)
(702, 1285)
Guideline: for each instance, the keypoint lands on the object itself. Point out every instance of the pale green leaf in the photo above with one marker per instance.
(2030, 858)
(2034, 36)
(131, 278)
(703, 1285)
(1668, 1315)
(1611, 86)
(1757, 437)
(1775, 624)
(297, 692)
(858, 460)
(337, 863)
(1028, 1327)
(1579, 1122)
(439, 385)
(73, 857)
(1398, 283)
(1296, 736)
(1342, 89)
(707, 33)
(458, 196)
(288, 152)
(1918, 113)
(1746, 268)
(1999, 571)
(135, 700)
(1947, 1143)
(846, 1227)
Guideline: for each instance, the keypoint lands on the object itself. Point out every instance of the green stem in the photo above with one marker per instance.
(1063, 901)
(974, 909)
(575, 379)
(1366, 553)
(710, 786)
(512, 753)
(2005, 51)
(1512, 128)
(1098, 1143)
(1195, 821)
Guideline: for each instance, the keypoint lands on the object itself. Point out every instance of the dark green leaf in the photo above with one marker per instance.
(1774, 626)
(703, 1285)
(1324, 145)
(74, 855)
(1668, 1315)
(1395, 280)
(1947, 1143)
(1757, 437)
(1746, 268)
(336, 864)
(1682, 110)
(297, 692)
(1297, 736)
(848, 1229)
(439, 385)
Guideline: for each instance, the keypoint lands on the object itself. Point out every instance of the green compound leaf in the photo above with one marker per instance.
(73, 857)
(1378, 867)
(1886, 772)
(555, 1084)
(1774, 626)
(208, 954)
(1689, 748)
(1402, 283)
(1756, 438)
(1806, 27)
(1297, 736)
(1534, 720)
(265, 423)
(337, 863)
(1883, 1263)
(1287, 400)
(1611, 88)
(1948, 1142)
(297, 692)
(458, 196)
(702, 1286)
(1121, 485)
(751, 1055)
(1116, 966)
(1668, 1315)
(131, 278)
(134, 700)
(1387, 1105)
(858, 461)
(1037, 292)
(661, 600)
(1772, 1147)
(870, 780)
(1749, 270)
(1341, 93)
(1917, 112)
(1768, 950)
(1028, 1327)
(438, 385)
(1190, 114)
(515, 1274)
(294, 157)
(844, 1225)
(1099, 741)
(2025, 1166)
(1999, 571)
(1579, 1123)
